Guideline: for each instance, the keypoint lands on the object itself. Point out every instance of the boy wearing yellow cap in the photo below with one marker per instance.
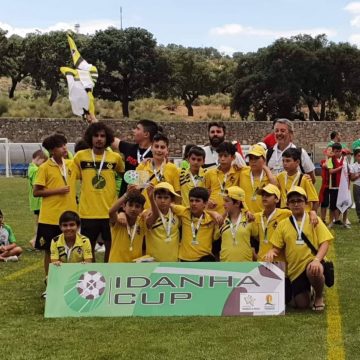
(254, 177)
(236, 231)
(268, 219)
(303, 267)
(163, 226)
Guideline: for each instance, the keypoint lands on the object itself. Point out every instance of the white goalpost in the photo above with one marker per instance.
(7, 163)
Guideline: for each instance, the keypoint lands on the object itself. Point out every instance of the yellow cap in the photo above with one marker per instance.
(166, 186)
(257, 150)
(297, 190)
(270, 189)
(235, 193)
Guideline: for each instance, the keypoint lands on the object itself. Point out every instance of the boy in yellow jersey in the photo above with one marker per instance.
(70, 246)
(219, 179)
(236, 231)
(293, 177)
(127, 239)
(254, 177)
(304, 268)
(54, 186)
(96, 167)
(268, 219)
(158, 168)
(194, 175)
(199, 228)
(163, 226)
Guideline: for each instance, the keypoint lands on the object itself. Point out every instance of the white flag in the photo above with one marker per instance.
(344, 196)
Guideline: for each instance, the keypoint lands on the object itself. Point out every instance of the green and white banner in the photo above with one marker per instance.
(165, 289)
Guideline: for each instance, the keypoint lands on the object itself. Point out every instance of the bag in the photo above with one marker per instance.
(329, 270)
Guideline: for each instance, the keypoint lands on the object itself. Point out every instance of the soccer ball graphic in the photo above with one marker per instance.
(91, 285)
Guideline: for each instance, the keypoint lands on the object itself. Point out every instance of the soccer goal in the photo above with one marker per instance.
(5, 165)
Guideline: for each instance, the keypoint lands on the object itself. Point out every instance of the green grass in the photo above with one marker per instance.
(27, 335)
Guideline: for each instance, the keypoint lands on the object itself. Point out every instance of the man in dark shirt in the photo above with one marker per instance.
(135, 153)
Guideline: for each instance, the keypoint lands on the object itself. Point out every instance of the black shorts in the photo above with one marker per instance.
(36, 212)
(301, 284)
(92, 228)
(326, 198)
(333, 198)
(45, 233)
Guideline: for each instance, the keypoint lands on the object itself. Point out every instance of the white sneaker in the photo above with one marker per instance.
(347, 222)
(43, 295)
(331, 225)
(347, 226)
(100, 248)
(13, 258)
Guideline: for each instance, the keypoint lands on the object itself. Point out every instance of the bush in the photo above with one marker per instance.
(3, 106)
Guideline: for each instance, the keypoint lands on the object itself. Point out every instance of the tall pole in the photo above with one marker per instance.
(121, 25)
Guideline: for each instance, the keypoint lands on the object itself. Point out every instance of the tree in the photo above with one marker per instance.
(129, 64)
(194, 72)
(17, 68)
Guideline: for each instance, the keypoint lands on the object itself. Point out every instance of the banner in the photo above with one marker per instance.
(343, 201)
(165, 289)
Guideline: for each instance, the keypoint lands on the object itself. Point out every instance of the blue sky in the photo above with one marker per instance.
(228, 25)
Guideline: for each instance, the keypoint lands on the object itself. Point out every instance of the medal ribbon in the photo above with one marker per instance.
(141, 157)
(234, 229)
(167, 224)
(253, 182)
(265, 228)
(296, 179)
(62, 169)
(98, 171)
(195, 230)
(299, 230)
(131, 232)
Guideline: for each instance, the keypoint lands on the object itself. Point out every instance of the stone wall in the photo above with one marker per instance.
(306, 133)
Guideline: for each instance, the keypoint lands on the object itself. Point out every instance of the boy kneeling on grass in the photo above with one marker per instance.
(70, 246)
(9, 250)
(304, 269)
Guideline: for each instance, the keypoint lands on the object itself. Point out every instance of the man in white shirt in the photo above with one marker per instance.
(284, 134)
(216, 131)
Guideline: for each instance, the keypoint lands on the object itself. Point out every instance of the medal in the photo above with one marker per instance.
(62, 168)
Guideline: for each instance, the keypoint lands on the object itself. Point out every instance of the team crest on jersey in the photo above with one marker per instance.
(79, 250)
(232, 179)
(275, 224)
(110, 166)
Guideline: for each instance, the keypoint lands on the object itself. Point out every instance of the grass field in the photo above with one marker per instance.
(25, 334)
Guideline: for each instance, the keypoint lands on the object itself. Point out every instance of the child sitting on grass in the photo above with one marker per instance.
(9, 250)
(70, 246)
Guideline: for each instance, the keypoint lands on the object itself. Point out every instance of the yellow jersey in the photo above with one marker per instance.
(158, 244)
(235, 240)
(267, 227)
(51, 176)
(252, 199)
(123, 249)
(217, 182)
(80, 251)
(188, 182)
(298, 255)
(168, 173)
(204, 229)
(287, 182)
(98, 188)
